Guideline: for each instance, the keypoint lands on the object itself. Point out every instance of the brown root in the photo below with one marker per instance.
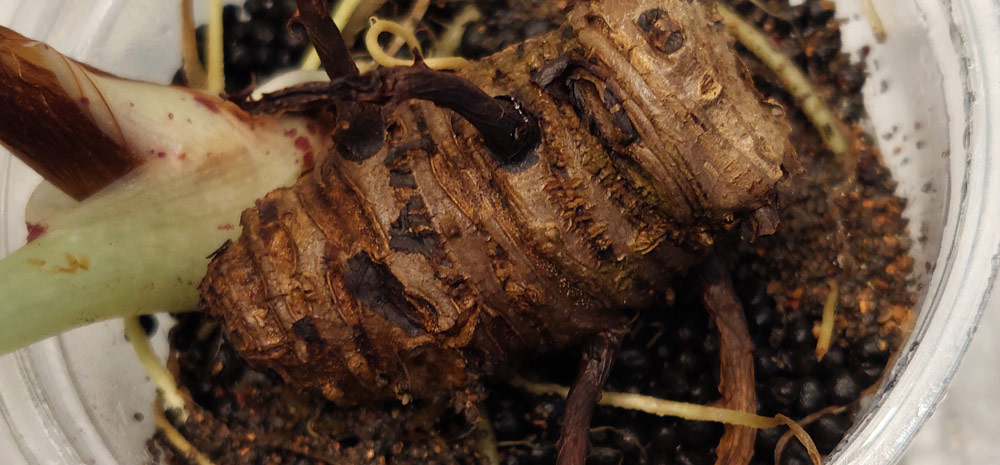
(779, 448)
(595, 366)
(325, 36)
(736, 381)
(687, 411)
(508, 131)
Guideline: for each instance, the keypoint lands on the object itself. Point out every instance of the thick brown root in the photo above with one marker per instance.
(736, 366)
(595, 366)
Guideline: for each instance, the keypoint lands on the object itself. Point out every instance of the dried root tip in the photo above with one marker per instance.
(215, 80)
(830, 128)
(487, 443)
(194, 71)
(386, 58)
(176, 439)
(827, 323)
(164, 381)
(663, 407)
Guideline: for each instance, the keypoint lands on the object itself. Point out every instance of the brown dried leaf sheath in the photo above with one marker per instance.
(415, 271)
(51, 118)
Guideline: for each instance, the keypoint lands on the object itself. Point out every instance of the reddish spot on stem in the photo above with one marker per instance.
(170, 115)
(161, 154)
(84, 101)
(303, 144)
(225, 227)
(182, 156)
(307, 160)
(207, 103)
(36, 230)
(291, 132)
(131, 104)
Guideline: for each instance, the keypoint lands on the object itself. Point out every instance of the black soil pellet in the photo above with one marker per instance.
(828, 430)
(812, 396)
(149, 324)
(605, 456)
(843, 387)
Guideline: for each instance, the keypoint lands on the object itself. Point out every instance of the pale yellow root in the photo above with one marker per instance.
(874, 21)
(341, 15)
(772, 10)
(830, 128)
(176, 439)
(487, 443)
(779, 448)
(451, 39)
(827, 323)
(158, 374)
(382, 57)
(687, 411)
(194, 71)
(215, 80)
(410, 23)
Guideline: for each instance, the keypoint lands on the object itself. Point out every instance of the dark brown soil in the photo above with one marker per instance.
(853, 234)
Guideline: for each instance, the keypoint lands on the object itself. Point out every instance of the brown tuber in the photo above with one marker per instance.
(434, 260)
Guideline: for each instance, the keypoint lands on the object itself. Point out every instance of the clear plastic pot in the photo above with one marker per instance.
(934, 98)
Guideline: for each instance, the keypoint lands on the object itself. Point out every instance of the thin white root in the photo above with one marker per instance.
(451, 39)
(687, 411)
(341, 16)
(158, 374)
(215, 80)
(830, 128)
(874, 21)
(381, 57)
(194, 71)
(288, 79)
(176, 439)
(827, 323)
